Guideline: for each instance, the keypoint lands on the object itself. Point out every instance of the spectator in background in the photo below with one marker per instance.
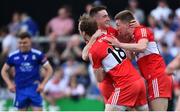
(14, 25)
(9, 42)
(173, 22)
(93, 90)
(154, 27)
(176, 48)
(55, 88)
(53, 54)
(171, 68)
(162, 11)
(69, 67)
(75, 90)
(82, 75)
(138, 13)
(177, 11)
(28, 25)
(73, 48)
(167, 35)
(62, 25)
(88, 7)
(165, 53)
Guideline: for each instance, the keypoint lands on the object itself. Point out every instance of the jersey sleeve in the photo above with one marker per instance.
(42, 59)
(9, 61)
(97, 55)
(141, 33)
(95, 60)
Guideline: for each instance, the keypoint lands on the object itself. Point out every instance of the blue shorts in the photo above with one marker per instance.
(27, 96)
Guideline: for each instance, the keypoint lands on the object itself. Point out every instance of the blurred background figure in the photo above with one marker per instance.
(28, 25)
(14, 25)
(75, 90)
(69, 67)
(165, 53)
(8, 45)
(166, 35)
(73, 48)
(88, 7)
(138, 13)
(53, 53)
(62, 25)
(55, 89)
(82, 76)
(162, 11)
(173, 22)
(175, 50)
(153, 25)
(9, 42)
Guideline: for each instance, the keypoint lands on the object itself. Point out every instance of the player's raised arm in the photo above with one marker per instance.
(89, 44)
(139, 47)
(4, 73)
(175, 64)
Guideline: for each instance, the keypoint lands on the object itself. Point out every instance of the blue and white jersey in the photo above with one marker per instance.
(27, 66)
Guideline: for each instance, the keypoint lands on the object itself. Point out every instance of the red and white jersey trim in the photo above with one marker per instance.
(143, 32)
(109, 62)
(115, 96)
(151, 49)
(155, 88)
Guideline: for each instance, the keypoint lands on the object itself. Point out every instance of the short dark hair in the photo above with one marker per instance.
(164, 1)
(164, 44)
(166, 24)
(67, 8)
(126, 16)
(4, 29)
(87, 24)
(96, 9)
(24, 35)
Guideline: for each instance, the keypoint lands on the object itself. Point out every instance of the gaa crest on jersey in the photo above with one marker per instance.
(33, 57)
(16, 58)
(25, 57)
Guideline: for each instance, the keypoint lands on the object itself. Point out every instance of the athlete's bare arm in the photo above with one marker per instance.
(137, 47)
(4, 73)
(100, 74)
(48, 72)
(86, 49)
(175, 64)
(89, 44)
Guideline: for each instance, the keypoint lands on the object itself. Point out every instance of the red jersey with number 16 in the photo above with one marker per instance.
(114, 62)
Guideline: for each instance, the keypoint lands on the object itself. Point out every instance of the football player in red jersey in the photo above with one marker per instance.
(149, 60)
(130, 91)
(101, 16)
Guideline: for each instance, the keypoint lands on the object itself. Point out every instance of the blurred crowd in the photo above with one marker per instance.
(72, 76)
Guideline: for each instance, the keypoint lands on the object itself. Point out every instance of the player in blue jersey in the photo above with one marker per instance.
(28, 82)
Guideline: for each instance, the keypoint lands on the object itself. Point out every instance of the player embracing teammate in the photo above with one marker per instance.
(150, 62)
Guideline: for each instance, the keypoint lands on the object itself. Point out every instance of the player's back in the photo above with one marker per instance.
(150, 62)
(27, 67)
(114, 62)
